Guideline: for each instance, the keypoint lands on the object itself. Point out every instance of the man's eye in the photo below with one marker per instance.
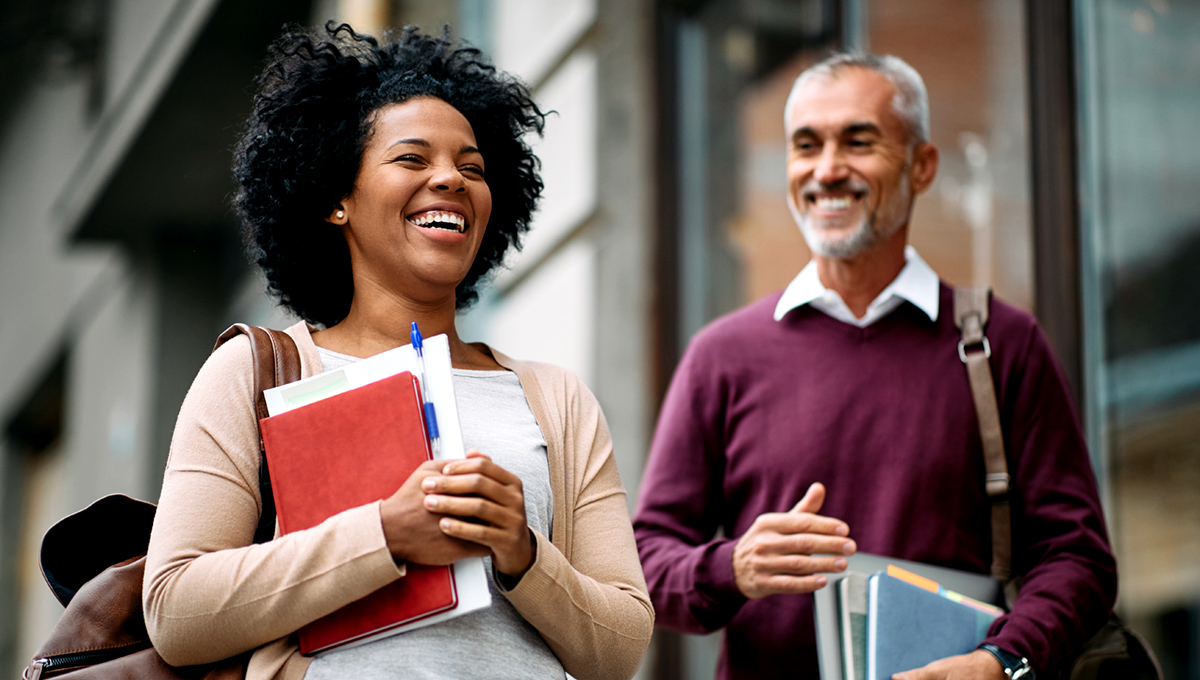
(859, 143)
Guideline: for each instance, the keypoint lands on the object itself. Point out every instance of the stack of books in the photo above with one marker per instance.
(350, 437)
(879, 618)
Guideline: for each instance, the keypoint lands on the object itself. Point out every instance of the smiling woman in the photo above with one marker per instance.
(418, 210)
(379, 184)
(319, 108)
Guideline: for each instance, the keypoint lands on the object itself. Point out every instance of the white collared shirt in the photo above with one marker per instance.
(916, 282)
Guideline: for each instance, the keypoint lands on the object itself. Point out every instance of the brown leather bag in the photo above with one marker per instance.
(1116, 652)
(94, 561)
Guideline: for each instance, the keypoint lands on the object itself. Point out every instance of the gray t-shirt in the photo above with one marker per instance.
(495, 642)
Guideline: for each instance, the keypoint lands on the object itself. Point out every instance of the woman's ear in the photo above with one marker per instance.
(337, 216)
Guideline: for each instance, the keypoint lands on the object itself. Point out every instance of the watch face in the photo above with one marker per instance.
(1021, 670)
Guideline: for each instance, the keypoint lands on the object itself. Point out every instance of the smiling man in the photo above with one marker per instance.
(836, 416)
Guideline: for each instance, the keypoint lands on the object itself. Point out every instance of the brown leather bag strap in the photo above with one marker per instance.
(276, 362)
(971, 316)
(276, 359)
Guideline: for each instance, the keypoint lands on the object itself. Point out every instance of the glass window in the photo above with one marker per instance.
(973, 225)
(1139, 68)
(735, 64)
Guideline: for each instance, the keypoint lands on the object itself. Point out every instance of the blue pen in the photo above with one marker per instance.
(418, 344)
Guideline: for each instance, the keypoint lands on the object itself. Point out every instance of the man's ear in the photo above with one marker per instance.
(924, 166)
(337, 215)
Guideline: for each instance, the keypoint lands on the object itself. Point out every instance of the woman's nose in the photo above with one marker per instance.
(448, 179)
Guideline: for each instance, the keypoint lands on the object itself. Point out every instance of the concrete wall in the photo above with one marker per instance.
(100, 335)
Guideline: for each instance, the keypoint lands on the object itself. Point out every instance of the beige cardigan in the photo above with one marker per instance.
(210, 593)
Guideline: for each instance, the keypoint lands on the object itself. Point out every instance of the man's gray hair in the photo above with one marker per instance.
(911, 102)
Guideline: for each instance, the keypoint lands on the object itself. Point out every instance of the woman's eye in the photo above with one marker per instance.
(409, 158)
(473, 169)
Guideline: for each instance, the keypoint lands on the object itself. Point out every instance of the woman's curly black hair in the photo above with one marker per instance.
(312, 119)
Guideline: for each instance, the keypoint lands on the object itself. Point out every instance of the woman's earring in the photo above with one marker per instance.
(341, 214)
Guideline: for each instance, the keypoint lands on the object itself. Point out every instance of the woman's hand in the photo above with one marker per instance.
(486, 505)
(412, 531)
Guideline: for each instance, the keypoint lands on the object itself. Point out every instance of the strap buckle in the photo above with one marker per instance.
(996, 484)
(962, 348)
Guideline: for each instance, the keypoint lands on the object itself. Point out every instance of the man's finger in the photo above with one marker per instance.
(816, 544)
(799, 565)
(783, 584)
(791, 522)
(813, 499)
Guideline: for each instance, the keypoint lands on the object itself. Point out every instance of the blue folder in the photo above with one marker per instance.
(908, 627)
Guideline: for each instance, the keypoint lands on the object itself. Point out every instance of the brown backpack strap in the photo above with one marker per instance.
(276, 359)
(276, 362)
(971, 316)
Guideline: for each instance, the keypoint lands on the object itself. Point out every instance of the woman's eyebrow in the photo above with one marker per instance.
(413, 141)
(469, 149)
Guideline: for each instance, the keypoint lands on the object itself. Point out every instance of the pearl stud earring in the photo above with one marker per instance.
(341, 214)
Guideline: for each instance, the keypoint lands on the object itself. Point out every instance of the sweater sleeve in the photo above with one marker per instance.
(592, 609)
(1060, 545)
(689, 572)
(210, 593)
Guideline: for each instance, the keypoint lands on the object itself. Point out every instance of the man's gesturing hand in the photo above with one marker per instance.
(777, 554)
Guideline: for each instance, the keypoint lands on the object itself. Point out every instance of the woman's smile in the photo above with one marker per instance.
(439, 219)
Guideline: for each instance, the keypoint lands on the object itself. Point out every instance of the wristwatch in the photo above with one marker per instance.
(1014, 666)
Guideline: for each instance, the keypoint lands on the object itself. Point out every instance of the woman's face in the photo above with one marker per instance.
(420, 205)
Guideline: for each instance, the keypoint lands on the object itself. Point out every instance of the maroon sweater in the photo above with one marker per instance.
(758, 410)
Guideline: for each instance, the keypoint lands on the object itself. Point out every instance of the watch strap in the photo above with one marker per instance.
(1015, 667)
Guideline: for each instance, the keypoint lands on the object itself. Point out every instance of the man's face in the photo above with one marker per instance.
(849, 180)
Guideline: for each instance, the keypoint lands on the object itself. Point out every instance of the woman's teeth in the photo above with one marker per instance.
(440, 219)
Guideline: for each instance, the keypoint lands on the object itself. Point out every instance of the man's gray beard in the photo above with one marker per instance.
(863, 238)
(865, 235)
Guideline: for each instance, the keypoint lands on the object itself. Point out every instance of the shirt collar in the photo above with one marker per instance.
(916, 283)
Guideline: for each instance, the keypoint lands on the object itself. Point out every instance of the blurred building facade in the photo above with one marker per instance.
(1068, 133)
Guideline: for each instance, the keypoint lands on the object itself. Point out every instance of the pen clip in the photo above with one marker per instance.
(417, 341)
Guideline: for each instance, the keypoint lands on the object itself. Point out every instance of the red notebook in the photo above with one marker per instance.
(344, 451)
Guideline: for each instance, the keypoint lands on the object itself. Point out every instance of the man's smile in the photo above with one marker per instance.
(833, 201)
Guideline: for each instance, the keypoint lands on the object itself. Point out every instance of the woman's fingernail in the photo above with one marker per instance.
(839, 563)
(429, 484)
(431, 502)
(445, 523)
